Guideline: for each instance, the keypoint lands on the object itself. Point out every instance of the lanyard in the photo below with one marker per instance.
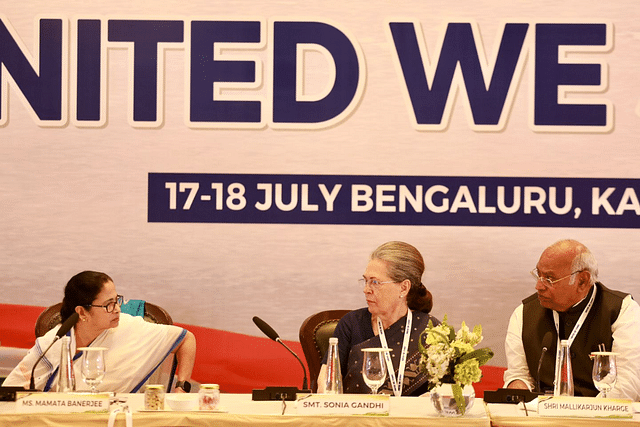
(576, 328)
(397, 386)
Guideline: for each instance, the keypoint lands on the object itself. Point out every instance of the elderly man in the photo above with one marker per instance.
(571, 305)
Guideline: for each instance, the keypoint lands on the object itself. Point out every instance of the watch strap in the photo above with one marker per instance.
(185, 385)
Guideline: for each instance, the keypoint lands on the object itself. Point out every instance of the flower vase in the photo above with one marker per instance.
(443, 399)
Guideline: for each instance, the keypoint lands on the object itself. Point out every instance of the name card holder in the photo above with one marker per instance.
(29, 402)
(343, 404)
(584, 407)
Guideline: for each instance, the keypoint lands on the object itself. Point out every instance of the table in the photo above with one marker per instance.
(509, 415)
(243, 412)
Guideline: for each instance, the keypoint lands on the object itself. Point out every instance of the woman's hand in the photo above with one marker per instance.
(186, 355)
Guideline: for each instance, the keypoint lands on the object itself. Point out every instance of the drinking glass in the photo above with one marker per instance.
(604, 372)
(374, 370)
(93, 367)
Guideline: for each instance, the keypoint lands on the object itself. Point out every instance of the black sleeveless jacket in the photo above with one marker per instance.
(596, 329)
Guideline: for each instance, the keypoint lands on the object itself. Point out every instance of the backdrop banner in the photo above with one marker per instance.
(232, 159)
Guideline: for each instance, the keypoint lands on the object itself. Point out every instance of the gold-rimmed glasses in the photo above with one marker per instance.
(548, 282)
(373, 283)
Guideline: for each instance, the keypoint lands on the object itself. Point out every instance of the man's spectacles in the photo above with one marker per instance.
(548, 282)
(373, 283)
(109, 307)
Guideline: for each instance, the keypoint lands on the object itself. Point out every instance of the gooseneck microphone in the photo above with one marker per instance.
(66, 327)
(546, 343)
(269, 332)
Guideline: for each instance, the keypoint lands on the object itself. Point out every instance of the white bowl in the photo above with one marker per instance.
(181, 401)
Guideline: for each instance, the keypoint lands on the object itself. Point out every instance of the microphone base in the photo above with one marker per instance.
(8, 394)
(277, 393)
(510, 395)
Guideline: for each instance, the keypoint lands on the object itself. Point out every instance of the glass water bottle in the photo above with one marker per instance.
(66, 378)
(333, 383)
(563, 385)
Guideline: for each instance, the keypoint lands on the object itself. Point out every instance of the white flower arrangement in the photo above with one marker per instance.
(448, 356)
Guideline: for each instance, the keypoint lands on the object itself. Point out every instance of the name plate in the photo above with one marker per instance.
(343, 404)
(590, 407)
(27, 402)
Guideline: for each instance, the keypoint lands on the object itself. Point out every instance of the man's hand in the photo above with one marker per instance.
(518, 384)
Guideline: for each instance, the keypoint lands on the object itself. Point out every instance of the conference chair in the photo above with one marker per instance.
(315, 332)
(50, 317)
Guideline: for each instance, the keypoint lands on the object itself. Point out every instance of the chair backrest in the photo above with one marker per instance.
(156, 314)
(315, 332)
(50, 317)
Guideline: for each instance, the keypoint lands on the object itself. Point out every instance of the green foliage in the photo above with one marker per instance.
(457, 395)
(448, 356)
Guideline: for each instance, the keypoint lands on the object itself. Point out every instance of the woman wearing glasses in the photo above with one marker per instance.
(135, 348)
(397, 301)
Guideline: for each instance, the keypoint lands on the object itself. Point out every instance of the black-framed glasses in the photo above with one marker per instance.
(548, 282)
(373, 283)
(109, 307)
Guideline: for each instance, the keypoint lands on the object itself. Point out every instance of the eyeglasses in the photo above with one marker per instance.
(373, 283)
(548, 282)
(109, 307)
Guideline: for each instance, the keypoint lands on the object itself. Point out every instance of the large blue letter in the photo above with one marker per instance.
(88, 71)
(550, 74)
(43, 90)
(286, 37)
(459, 47)
(145, 35)
(206, 71)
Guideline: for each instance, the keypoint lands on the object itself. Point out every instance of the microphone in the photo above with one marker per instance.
(269, 332)
(546, 343)
(66, 327)
(266, 329)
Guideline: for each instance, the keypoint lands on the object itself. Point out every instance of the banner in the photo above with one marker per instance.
(299, 199)
(244, 158)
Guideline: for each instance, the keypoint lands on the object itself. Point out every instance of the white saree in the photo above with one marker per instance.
(135, 349)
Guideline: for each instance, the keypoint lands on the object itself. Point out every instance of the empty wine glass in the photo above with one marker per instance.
(374, 371)
(93, 367)
(605, 371)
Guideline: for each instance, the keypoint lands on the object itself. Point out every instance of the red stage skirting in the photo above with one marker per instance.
(239, 363)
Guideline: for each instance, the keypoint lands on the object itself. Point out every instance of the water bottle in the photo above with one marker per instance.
(333, 383)
(563, 385)
(66, 378)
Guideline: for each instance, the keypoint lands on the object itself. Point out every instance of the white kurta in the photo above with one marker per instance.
(134, 349)
(625, 331)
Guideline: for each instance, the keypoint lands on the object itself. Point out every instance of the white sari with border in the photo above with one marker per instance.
(135, 349)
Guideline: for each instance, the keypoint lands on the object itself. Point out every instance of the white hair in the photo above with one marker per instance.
(585, 261)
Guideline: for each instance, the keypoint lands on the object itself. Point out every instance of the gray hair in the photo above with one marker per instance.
(404, 261)
(585, 261)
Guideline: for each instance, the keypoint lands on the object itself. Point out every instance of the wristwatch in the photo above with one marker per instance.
(185, 385)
